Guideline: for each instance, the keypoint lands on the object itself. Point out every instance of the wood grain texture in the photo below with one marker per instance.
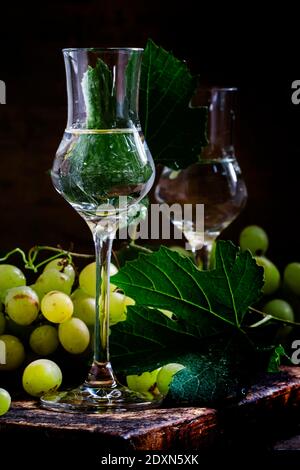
(164, 428)
(146, 430)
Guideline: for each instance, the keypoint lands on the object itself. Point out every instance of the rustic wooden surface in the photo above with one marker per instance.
(143, 430)
(162, 429)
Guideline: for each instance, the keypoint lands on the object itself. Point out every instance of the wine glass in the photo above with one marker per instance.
(102, 168)
(215, 181)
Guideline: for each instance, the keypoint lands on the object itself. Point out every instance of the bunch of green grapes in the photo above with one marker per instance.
(281, 291)
(43, 323)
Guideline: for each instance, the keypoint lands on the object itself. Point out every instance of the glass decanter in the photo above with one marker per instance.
(215, 181)
(102, 168)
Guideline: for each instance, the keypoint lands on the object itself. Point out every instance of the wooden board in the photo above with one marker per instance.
(163, 429)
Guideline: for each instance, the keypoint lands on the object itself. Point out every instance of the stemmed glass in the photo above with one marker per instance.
(102, 168)
(215, 181)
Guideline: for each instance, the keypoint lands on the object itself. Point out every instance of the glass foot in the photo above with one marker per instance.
(98, 400)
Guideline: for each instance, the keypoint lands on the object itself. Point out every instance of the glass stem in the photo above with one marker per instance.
(202, 256)
(101, 373)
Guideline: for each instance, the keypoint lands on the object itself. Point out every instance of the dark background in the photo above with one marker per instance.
(226, 45)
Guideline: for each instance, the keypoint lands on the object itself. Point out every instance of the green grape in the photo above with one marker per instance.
(44, 340)
(84, 307)
(279, 308)
(5, 401)
(271, 275)
(57, 307)
(143, 383)
(255, 239)
(41, 376)
(212, 257)
(22, 305)
(74, 335)
(38, 290)
(87, 278)
(128, 301)
(59, 265)
(14, 352)
(78, 294)
(51, 280)
(291, 277)
(10, 276)
(118, 306)
(20, 331)
(2, 323)
(165, 376)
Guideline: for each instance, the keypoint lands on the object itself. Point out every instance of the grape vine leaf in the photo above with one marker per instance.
(205, 299)
(209, 306)
(175, 132)
(218, 371)
(98, 90)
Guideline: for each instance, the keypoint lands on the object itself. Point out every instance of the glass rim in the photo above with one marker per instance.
(102, 49)
(217, 88)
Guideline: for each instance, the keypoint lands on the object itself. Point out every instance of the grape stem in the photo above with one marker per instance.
(12, 252)
(268, 317)
(30, 259)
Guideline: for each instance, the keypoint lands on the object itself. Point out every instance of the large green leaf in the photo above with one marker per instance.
(206, 380)
(205, 299)
(205, 335)
(99, 92)
(174, 131)
(221, 370)
(213, 370)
